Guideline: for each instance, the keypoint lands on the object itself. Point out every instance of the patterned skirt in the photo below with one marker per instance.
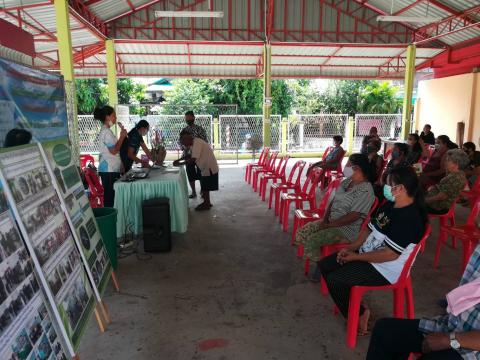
(313, 238)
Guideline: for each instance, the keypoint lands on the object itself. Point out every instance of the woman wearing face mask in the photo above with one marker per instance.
(351, 204)
(440, 197)
(399, 159)
(110, 164)
(378, 255)
(434, 170)
(130, 148)
(415, 149)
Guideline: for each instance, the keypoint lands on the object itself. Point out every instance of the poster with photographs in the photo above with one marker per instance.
(49, 237)
(66, 173)
(26, 329)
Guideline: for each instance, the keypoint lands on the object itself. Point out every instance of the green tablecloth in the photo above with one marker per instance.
(170, 183)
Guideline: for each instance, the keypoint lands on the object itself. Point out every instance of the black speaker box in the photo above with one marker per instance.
(157, 235)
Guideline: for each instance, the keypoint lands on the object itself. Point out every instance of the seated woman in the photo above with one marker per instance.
(349, 207)
(134, 141)
(399, 159)
(378, 255)
(415, 150)
(434, 170)
(376, 161)
(440, 198)
(473, 169)
(453, 336)
(334, 156)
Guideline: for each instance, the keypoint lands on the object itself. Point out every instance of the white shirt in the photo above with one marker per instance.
(107, 161)
(204, 157)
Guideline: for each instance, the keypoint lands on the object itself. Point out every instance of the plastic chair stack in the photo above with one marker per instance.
(278, 175)
(291, 184)
(306, 194)
(269, 168)
(262, 161)
(95, 187)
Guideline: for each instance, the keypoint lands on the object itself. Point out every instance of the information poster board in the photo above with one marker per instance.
(33, 100)
(47, 233)
(67, 176)
(26, 329)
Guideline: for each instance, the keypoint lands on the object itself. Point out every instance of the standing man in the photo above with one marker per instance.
(427, 136)
(203, 157)
(193, 172)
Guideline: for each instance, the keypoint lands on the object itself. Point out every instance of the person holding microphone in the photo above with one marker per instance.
(110, 164)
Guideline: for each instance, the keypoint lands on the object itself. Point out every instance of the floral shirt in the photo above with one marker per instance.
(451, 185)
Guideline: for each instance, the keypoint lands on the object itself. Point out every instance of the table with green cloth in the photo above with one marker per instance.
(166, 182)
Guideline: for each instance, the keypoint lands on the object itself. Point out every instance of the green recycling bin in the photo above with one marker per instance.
(107, 222)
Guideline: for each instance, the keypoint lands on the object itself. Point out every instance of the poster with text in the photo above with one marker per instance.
(33, 100)
(26, 329)
(50, 237)
(68, 179)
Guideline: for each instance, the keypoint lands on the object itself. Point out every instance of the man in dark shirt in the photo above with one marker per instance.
(197, 131)
(427, 136)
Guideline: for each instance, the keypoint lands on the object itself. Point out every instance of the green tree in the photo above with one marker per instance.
(247, 94)
(90, 93)
(189, 94)
(341, 96)
(379, 98)
(282, 98)
(130, 93)
(306, 99)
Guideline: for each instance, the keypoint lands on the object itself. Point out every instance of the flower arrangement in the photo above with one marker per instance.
(158, 146)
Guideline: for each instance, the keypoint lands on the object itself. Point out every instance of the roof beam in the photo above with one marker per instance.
(448, 26)
(141, 7)
(82, 13)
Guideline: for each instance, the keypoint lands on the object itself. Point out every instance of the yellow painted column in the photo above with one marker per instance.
(111, 73)
(267, 92)
(216, 136)
(407, 101)
(350, 134)
(64, 39)
(284, 147)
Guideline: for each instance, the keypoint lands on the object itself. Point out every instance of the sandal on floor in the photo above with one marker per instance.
(203, 207)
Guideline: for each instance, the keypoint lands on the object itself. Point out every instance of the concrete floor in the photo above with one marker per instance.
(232, 288)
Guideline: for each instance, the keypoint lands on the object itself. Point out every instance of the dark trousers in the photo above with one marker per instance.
(436, 212)
(108, 178)
(395, 339)
(341, 278)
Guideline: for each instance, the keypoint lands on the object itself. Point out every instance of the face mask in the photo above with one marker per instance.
(387, 192)
(370, 149)
(190, 122)
(110, 123)
(365, 150)
(348, 171)
(395, 154)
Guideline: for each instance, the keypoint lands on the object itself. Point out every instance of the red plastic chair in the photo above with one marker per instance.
(473, 195)
(330, 249)
(270, 167)
(306, 194)
(85, 159)
(330, 174)
(290, 184)
(303, 217)
(262, 161)
(443, 235)
(279, 174)
(95, 187)
(387, 154)
(468, 234)
(402, 287)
